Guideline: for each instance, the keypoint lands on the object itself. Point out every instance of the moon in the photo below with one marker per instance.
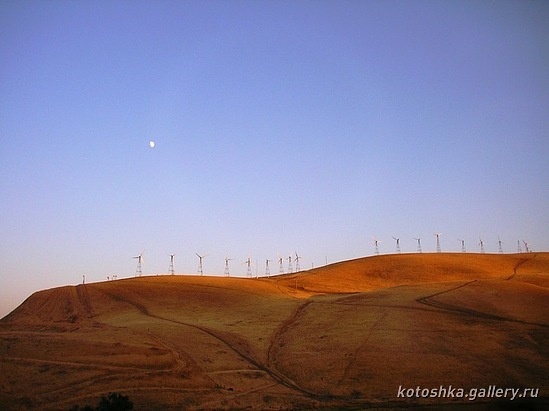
(151, 144)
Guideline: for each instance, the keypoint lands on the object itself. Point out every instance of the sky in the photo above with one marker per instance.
(279, 127)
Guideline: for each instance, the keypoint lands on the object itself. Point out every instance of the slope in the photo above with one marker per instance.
(370, 273)
(344, 335)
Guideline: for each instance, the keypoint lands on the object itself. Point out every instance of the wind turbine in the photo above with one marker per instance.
(171, 270)
(376, 241)
(481, 243)
(437, 235)
(267, 269)
(249, 263)
(518, 246)
(297, 258)
(280, 265)
(418, 244)
(290, 269)
(500, 248)
(140, 259)
(462, 245)
(397, 244)
(227, 259)
(200, 267)
(526, 246)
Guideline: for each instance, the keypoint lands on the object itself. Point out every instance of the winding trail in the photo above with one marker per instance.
(272, 352)
(521, 262)
(429, 301)
(273, 373)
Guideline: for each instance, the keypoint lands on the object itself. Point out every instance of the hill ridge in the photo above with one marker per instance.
(343, 335)
(72, 303)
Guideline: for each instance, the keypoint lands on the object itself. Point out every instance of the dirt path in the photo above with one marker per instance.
(272, 372)
(84, 299)
(430, 301)
(272, 352)
(521, 262)
(350, 360)
(183, 360)
(34, 361)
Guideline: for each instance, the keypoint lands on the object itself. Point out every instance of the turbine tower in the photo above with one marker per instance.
(248, 262)
(200, 266)
(518, 246)
(397, 244)
(267, 269)
(280, 265)
(437, 235)
(418, 244)
(481, 243)
(297, 258)
(376, 249)
(140, 259)
(227, 259)
(462, 245)
(171, 270)
(526, 246)
(500, 248)
(290, 268)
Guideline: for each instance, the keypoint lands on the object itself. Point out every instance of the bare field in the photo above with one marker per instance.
(344, 336)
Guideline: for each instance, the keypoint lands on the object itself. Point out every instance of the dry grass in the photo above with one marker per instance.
(345, 335)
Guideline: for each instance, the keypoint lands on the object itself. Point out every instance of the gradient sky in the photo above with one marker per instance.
(280, 126)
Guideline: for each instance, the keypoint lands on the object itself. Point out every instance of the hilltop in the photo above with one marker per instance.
(344, 335)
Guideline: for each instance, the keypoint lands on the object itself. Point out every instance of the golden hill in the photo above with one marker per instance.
(347, 335)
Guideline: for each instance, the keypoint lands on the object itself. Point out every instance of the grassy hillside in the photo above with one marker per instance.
(366, 274)
(345, 335)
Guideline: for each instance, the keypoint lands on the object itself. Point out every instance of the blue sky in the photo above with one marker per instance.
(305, 126)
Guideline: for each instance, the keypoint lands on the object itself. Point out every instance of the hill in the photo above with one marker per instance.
(347, 335)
